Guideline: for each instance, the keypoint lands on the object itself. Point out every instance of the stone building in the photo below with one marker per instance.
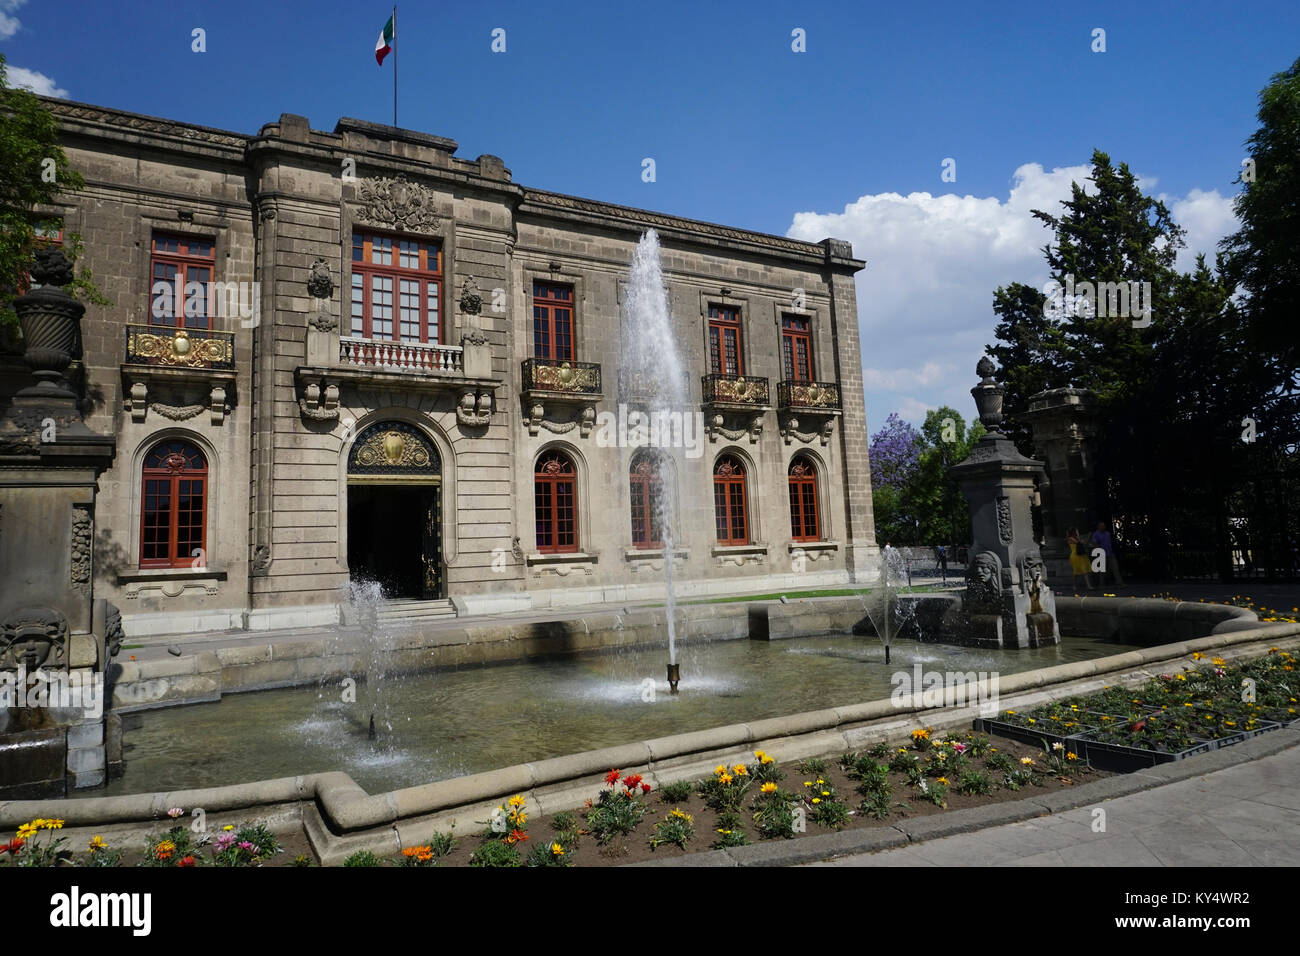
(384, 360)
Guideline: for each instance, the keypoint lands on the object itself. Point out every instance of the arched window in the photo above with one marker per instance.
(173, 512)
(555, 503)
(804, 522)
(729, 501)
(646, 488)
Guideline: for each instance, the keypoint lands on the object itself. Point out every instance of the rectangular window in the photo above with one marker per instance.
(189, 261)
(724, 341)
(552, 321)
(796, 349)
(396, 289)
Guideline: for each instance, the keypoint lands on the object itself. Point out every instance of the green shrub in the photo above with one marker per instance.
(495, 853)
(678, 792)
(363, 858)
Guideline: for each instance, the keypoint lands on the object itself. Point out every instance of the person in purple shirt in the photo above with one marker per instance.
(1101, 539)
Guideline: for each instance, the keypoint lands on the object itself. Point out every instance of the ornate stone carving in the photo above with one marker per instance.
(398, 203)
(33, 637)
(177, 413)
(127, 121)
(320, 404)
(320, 284)
(113, 631)
(474, 409)
(471, 303)
(1004, 520)
(984, 583)
(322, 321)
(52, 267)
(1032, 570)
(261, 557)
(80, 563)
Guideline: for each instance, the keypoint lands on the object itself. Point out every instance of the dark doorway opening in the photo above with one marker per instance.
(395, 538)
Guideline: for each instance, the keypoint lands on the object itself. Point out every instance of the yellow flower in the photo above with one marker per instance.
(920, 735)
(759, 755)
(1071, 756)
(96, 843)
(557, 850)
(719, 770)
(1027, 761)
(27, 830)
(52, 824)
(942, 780)
(767, 788)
(826, 793)
(817, 799)
(807, 783)
(820, 780)
(517, 800)
(767, 760)
(228, 827)
(1197, 656)
(1218, 662)
(740, 770)
(725, 778)
(681, 815)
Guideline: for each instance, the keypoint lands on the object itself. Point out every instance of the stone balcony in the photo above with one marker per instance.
(178, 372)
(816, 403)
(551, 387)
(461, 370)
(735, 405)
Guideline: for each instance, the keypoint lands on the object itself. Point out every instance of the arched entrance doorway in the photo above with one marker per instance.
(395, 510)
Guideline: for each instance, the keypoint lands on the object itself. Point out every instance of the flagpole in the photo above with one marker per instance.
(394, 64)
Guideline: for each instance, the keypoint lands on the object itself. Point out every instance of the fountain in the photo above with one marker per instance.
(653, 370)
(364, 598)
(1007, 602)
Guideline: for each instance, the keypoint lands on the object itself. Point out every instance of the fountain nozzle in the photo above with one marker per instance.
(372, 727)
(674, 677)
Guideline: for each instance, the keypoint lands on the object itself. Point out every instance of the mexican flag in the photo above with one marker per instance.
(384, 45)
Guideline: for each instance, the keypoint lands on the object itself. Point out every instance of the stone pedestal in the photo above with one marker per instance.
(1007, 601)
(1064, 426)
(55, 639)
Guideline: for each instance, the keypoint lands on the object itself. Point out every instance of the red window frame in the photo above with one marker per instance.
(805, 519)
(730, 506)
(645, 489)
(552, 321)
(195, 258)
(796, 348)
(555, 503)
(397, 289)
(725, 341)
(173, 505)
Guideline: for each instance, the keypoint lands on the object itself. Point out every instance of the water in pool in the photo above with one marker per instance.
(455, 722)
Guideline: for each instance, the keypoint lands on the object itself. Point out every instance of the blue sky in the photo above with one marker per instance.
(847, 138)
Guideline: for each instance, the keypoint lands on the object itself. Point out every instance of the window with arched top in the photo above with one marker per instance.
(729, 509)
(645, 485)
(555, 503)
(173, 509)
(805, 523)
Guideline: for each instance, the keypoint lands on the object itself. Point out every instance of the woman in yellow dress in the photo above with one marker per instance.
(1080, 562)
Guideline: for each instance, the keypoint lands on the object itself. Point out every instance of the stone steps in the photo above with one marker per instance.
(410, 612)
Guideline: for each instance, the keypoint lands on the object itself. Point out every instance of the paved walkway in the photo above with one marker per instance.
(1247, 815)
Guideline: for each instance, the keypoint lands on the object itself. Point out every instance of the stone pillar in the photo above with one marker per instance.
(1064, 426)
(56, 641)
(862, 554)
(1007, 600)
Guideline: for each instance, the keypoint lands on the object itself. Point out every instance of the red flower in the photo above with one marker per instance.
(516, 836)
(611, 778)
(186, 861)
(645, 787)
(13, 846)
(632, 780)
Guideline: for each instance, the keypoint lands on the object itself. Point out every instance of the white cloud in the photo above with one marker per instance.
(21, 78)
(933, 262)
(9, 24)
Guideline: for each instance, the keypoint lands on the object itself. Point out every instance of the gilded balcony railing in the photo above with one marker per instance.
(549, 375)
(735, 389)
(179, 347)
(402, 356)
(824, 396)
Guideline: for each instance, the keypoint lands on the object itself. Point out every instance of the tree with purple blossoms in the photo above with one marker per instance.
(894, 453)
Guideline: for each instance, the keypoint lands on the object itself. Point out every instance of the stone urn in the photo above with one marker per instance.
(50, 319)
(988, 395)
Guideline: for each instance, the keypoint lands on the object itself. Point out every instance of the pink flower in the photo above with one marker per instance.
(960, 748)
(175, 812)
(245, 845)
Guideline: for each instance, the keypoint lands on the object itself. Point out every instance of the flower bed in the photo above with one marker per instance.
(1173, 716)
